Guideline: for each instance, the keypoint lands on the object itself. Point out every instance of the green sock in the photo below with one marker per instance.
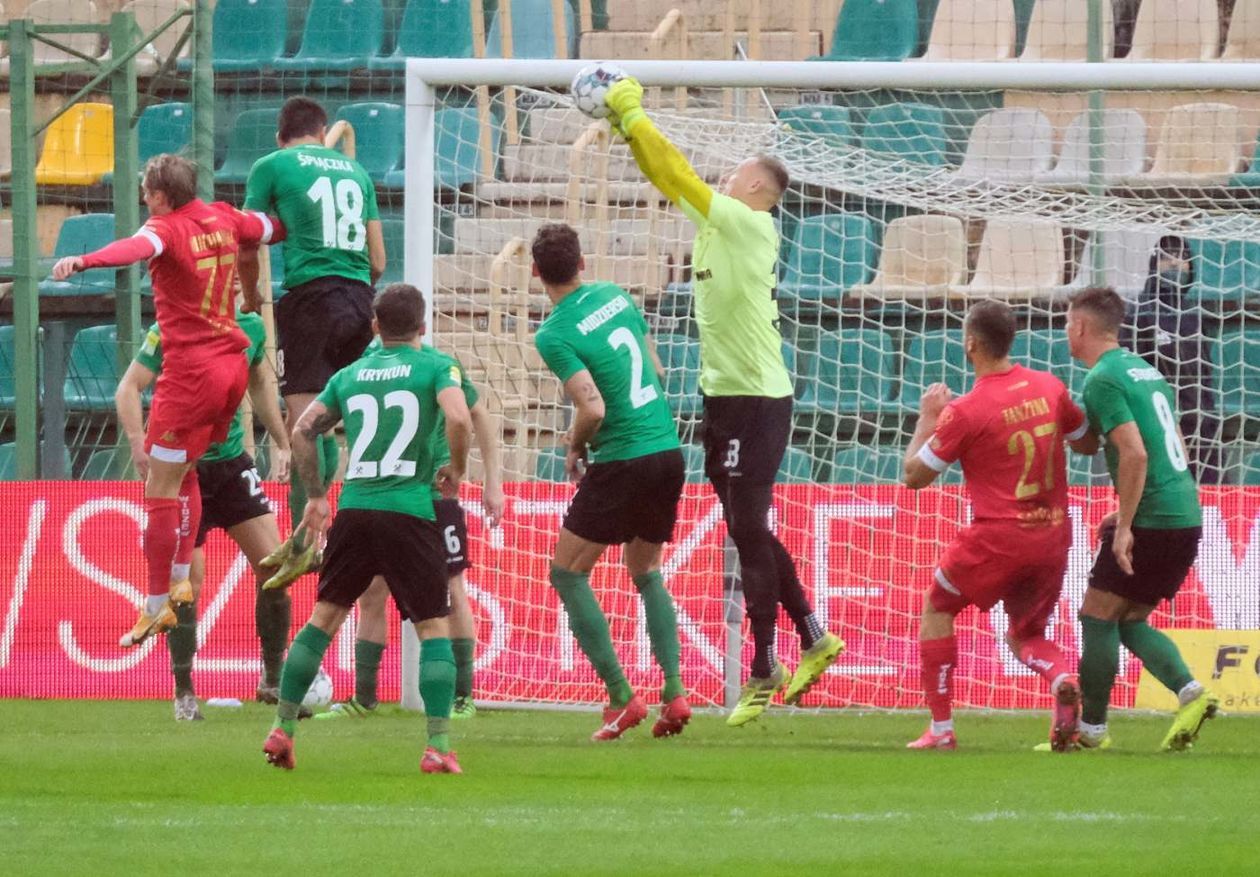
(300, 669)
(590, 628)
(297, 501)
(437, 689)
(182, 643)
(367, 665)
(273, 613)
(1100, 660)
(329, 457)
(662, 626)
(1158, 653)
(463, 647)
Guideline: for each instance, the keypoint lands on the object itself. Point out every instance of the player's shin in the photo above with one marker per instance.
(367, 665)
(1100, 660)
(273, 613)
(939, 657)
(189, 522)
(300, 669)
(590, 629)
(792, 598)
(662, 627)
(161, 540)
(181, 641)
(437, 689)
(1044, 658)
(464, 649)
(1158, 653)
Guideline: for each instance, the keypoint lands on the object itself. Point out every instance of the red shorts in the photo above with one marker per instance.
(193, 406)
(1021, 566)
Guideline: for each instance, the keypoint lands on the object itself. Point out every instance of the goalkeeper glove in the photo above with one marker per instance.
(625, 100)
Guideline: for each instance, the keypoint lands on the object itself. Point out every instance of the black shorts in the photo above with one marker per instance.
(1161, 562)
(407, 551)
(623, 500)
(231, 494)
(745, 437)
(321, 327)
(450, 520)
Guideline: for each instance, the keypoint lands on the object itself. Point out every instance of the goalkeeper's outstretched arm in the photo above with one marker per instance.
(661, 162)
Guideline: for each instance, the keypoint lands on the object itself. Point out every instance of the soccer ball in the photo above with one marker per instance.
(321, 691)
(591, 84)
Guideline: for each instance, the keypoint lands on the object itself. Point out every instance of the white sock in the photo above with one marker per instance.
(940, 728)
(1189, 692)
(153, 604)
(180, 571)
(1094, 732)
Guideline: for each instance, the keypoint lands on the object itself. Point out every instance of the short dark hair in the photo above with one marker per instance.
(557, 250)
(300, 117)
(1103, 304)
(778, 171)
(399, 312)
(992, 324)
(173, 176)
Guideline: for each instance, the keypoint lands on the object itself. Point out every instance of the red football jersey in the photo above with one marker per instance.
(194, 276)
(1008, 433)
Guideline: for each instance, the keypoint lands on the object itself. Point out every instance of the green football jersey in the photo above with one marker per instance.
(597, 327)
(1123, 388)
(388, 401)
(150, 356)
(324, 200)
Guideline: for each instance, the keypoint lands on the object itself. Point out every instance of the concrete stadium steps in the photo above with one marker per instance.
(705, 15)
(530, 162)
(707, 45)
(629, 237)
(462, 281)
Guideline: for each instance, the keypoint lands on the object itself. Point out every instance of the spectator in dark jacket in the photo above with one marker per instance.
(1166, 329)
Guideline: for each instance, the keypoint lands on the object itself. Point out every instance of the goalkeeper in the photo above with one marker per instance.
(746, 386)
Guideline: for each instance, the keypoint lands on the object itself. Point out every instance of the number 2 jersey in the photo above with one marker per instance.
(388, 402)
(597, 327)
(1008, 433)
(324, 200)
(1123, 388)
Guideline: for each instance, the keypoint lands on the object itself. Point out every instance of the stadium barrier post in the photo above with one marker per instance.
(56, 348)
(1097, 120)
(203, 98)
(122, 36)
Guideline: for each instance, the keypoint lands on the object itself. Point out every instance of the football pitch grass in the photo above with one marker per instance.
(119, 787)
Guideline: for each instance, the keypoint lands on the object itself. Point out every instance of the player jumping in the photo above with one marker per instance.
(1151, 541)
(1008, 434)
(334, 252)
(232, 497)
(192, 249)
(624, 452)
(391, 402)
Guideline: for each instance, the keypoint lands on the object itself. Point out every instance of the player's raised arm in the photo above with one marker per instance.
(588, 415)
(922, 463)
(661, 162)
(141, 246)
(458, 437)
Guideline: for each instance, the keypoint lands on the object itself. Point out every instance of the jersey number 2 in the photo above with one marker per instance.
(342, 213)
(640, 393)
(391, 464)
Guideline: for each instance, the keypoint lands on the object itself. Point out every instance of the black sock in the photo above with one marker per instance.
(272, 616)
(792, 596)
(182, 643)
(763, 646)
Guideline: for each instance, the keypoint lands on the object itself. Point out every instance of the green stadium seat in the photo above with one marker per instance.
(92, 373)
(1225, 271)
(378, 136)
(340, 35)
(431, 29)
(277, 269)
(8, 382)
(164, 128)
(249, 35)
(911, 131)
(874, 30)
(1249, 468)
(825, 256)
(108, 464)
(797, 467)
(533, 35)
(550, 465)
(1250, 178)
(862, 464)
(78, 235)
(693, 456)
(680, 357)
(1238, 372)
(851, 373)
(8, 461)
(1086, 471)
(833, 123)
(394, 232)
(253, 136)
(933, 356)
(675, 302)
(458, 148)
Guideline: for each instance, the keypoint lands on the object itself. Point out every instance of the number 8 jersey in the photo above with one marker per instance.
(597, 327)
(1123, 388)
(325, 200)
(388, 402)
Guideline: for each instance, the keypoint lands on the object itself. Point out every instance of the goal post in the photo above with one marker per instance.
(918, 187)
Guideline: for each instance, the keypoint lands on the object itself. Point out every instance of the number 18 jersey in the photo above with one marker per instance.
(388, 401)
(1124, 388)
(325, 201)
(597, 327)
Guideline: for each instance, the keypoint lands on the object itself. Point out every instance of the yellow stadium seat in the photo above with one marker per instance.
(1200, 145)
(923, 256)
(79, 147)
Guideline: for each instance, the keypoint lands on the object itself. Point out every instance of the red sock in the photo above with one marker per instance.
(939, 657)
(1043, 656)
(161, 539)
(189, 517)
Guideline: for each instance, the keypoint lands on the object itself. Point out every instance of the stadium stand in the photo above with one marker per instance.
(249, 35)
(1058, 31)
(78, 147)
(874, 30)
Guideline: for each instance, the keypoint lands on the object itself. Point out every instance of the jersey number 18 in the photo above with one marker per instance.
(342, 213)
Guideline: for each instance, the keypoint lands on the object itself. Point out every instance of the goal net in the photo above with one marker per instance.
(910, 198)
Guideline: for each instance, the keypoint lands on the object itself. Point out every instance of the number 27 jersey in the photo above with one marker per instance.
(388, 402)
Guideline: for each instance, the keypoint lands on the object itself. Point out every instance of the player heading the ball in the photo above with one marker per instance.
(745, 384)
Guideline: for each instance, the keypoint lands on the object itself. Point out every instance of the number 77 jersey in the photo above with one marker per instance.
(1008, 433)
(599, 329)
